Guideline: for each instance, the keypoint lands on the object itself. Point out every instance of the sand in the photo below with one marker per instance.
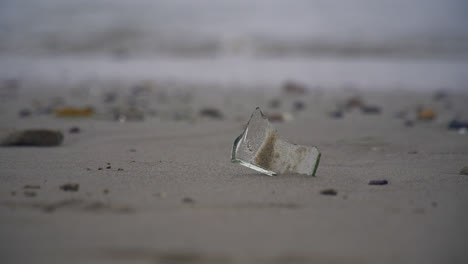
(168, 193)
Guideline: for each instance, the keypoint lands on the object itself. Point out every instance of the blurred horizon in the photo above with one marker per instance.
(248, 33)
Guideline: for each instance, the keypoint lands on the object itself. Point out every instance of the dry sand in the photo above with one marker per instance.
(179, 199)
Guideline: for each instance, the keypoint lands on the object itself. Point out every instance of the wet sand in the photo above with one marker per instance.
(163, 190)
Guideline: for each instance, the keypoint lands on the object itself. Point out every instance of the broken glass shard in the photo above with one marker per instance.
(260, 148)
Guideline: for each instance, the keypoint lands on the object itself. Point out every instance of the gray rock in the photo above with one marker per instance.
(32, 137)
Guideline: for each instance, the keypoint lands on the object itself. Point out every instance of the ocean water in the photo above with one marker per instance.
(418, 44)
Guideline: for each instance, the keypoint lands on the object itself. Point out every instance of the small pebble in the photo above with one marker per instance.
(464, 171)
(108, 167)
(105, 191)
(336, 114)
(188, 200)
(370, 109)
(30, 193)
(120, 169)
(25, 113)
(299, 105)
(72, 187)
(329, 192)
(409, 123)
(212, 113)
(378, 182)
(31, 186)
(99, 168)
(74, 130)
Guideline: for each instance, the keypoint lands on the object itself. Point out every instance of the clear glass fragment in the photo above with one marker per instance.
(260, 148)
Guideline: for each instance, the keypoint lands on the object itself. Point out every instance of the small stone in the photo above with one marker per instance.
(299, 105)
(32, 137)
(105, 191)
(108, 167)
(30, 194)
(332, 192)
(464, 171)
(291, 87)
(99, 168)
(25, 113)
(378, 182)
(74, 130)
(353, 102)
(120, 169)
(188, 200)
(211, 113)
(88, 169)
(31, 186)
(70, 187)
(426, 114)
(370, 109)
(338, 114)
(409, 123)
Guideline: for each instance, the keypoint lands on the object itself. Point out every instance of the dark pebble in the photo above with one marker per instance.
(378, 182)
(31, 186)
(298, 105)
(70, 187)
(211, 113)
(25, 113)
(74, 130)
(188, 200)
(370, 109)
(30, 194)
(99, 168)
(108, 167)
(120, 169)
(336, 114)
(329, 192)
(409, 123)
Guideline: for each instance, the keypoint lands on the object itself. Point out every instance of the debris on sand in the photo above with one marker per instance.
(30, 193)
(74, 112)
(426, 114)
(280, 117)
(188, 200)
(331, 192)
(74, 130)
(70, 187)
(456, 124)
(128, 114)
(25, 113)
(464, 171)
(378, 182)
(290, 87)
(27, 186)
(211, 113)
(371, 109)
(260, 148)
(32, 137)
